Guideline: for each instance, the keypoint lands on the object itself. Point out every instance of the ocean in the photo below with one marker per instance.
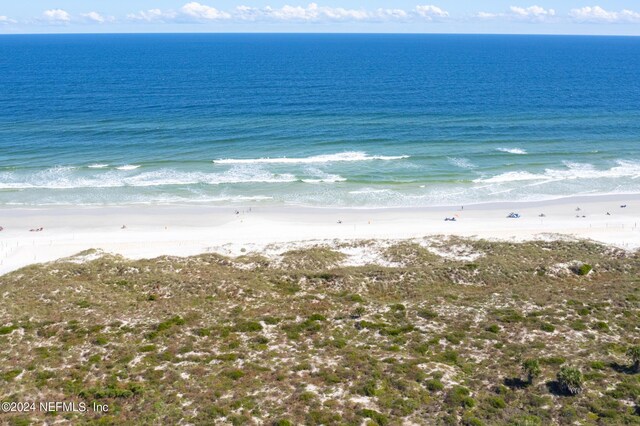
(316, 120)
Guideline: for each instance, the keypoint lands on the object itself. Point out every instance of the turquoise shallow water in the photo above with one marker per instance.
(318, 120)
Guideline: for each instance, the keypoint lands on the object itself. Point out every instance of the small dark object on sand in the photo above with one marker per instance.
(513, 215)
(542, 215)
(339, 221)
(624, 206)
(450, 219)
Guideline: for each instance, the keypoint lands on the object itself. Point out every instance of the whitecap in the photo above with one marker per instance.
(516, 151)
(327, 179)
(63, 178)
(98, 166)
(328, 158)
(463, 163)
(366, 191)
(573, 171)
(128, 167)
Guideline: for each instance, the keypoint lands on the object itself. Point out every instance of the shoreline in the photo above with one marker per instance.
(153, 231)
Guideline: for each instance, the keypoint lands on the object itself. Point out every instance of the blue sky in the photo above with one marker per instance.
(617, 17)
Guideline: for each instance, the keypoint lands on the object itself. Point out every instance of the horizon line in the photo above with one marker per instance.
(312, 33)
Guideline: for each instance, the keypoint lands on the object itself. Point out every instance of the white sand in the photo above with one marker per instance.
(169, 230)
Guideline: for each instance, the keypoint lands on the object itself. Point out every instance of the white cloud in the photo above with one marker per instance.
(430, 12)
(598, 14)
(6, 20)
(312, 13)
(390, 14)
(152, 15)
(532, 12)
(487, 15)
(56, 16)
(94, 17)
(517, 13)
(315, 13)
(203, 12)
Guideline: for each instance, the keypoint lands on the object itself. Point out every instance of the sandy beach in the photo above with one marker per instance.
(152, 231)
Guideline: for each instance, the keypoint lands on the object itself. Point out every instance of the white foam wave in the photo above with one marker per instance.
(367, 191)
(98, 166)
(328, 179)
(573, 171)
(329, 158)
(128, 167)
(66, 178)
(463, 163)
(516, 151)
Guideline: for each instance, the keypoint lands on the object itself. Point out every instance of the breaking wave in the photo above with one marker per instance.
(329, 158)
(516, 151)
(67, 178)
(573, 171)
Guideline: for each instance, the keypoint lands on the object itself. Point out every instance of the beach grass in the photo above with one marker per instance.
(438, 337)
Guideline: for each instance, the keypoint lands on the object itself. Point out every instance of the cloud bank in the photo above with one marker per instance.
(6, 20)
(596, 14)
(195, 12)
(56, 16)
(198, 12)
(526, 14)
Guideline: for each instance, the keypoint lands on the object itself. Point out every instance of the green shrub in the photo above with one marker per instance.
(7, 329)
(526, 420)
(472, 421)
(509, 315)
(459, 397)
(549, 328)
(583, 269)
(434, 385)
(112, 391)
(369, 388)
(497, 402)
(427, 314)
(379, 418)
(493, 328)
(553, 360)
(601, 326)
(570, 380)
(234, 374)
(165, 325)
(10, 375)
(247, 327)
(148, 348)
(317, 317)
(634, 354)
(578, 325)
(531, 369)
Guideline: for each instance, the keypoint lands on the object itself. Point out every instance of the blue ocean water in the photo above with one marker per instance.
(320, 120)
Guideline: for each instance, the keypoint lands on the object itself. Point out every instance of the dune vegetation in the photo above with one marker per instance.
(446, 331)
